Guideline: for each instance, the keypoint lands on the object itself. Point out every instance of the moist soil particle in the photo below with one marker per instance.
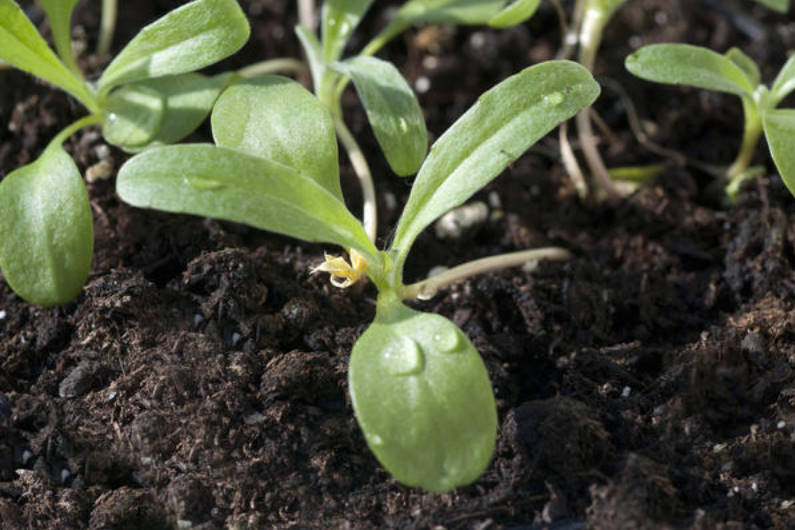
(199, 381)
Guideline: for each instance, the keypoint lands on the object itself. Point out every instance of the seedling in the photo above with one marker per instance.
(782, 6)
(391, 107)
(148, 95)
(732, 73)
(420, 390)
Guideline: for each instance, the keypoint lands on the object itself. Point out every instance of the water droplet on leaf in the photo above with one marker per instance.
(447, 340)
(403, 356)
(205, 184)
(553, 99)
(403, 124)
(375, 440)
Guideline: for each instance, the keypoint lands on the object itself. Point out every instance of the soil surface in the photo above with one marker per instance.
(199, 381)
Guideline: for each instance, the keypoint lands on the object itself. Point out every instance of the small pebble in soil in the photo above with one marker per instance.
(2, 315)
(422, 84)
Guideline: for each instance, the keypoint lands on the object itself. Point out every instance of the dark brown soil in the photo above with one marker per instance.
(200, 379)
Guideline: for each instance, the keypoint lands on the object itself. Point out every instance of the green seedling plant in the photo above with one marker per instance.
(731, 73)
(419, 388)
(782, 6)
(391, 106)
(148, 95)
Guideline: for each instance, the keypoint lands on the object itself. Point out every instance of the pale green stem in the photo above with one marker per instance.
(570, 163)
(593, 24)
(272, 66)
(307, 15)
(107, 26)
(751, 134)
(362, 170)
(91, 119)
(428, 288)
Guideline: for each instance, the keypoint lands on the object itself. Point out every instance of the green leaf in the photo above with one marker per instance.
(340, 18)
(132, 115)
(314, 54)
(514, 13)
(276, 118)
(190, 37)
(423, 399)
(59, 13)
(689, 65)
(392, 109)
(501, 126)
(23, 48)
(188, 100)
(779, 127)
(46, 230)
(448, 12)
(223, 183)
(746, 64)
(785, 82)
(782, 6)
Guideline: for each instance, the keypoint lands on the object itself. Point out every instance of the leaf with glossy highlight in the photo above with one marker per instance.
(276, 118)
(779, 127)
(46, 229)
(23, 48)
(223, 183)
(132, 116)
(392, 109)
(514, 13)
(497, 130)
(423, 399)
(190, 37)
(339, 20)
(686, 64)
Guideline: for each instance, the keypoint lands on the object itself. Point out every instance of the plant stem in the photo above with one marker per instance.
(85, 121)
(428, 288)
(272, 66)
(362, 170)
(593, 24)
(107, 26)
(752, 131)
(570, 163)
(306, 14)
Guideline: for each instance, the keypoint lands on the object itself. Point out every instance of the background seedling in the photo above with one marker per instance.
(420, 391)
(148, 95)
(732, 73)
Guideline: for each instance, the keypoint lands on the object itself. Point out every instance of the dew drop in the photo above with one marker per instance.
(553, 99)
(375, 440)
(404, 125)
(403, 357)
(204, 184)
(426, 293)
(448, 340)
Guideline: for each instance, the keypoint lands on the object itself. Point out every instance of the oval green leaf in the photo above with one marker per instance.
(448, 11)
(423, 399)
(514, 13)
(392, 110)
(779, 127)
(784, 83)
(685, 64)
(782, 6)
(190, 37)
(499, 128)
(132, 115)
(276, 118)
(46, 229)
(228, 184)
(25, 49)
(339, 20)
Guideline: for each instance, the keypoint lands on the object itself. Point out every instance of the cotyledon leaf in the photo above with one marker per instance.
(500, 127)
(514, 13)
(190, 37)
(132, 115)
(779, 127)
(46, 229)
(685, 64)
(785, 81)
(746, 64)
(23, 48)
(276, 118)
(423, 399)
(223, 183)
(392, 109)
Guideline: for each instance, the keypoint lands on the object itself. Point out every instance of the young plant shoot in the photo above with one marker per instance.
(732, 73)
(420, 390)
(391, 106)
(148, 95)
